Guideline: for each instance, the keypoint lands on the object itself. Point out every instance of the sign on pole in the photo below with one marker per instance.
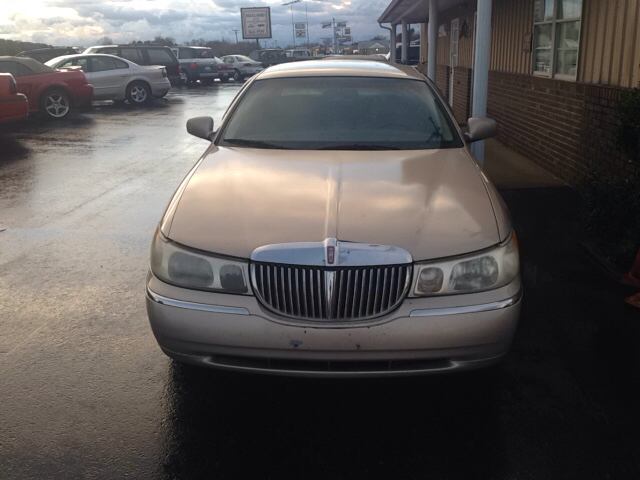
(256, 22)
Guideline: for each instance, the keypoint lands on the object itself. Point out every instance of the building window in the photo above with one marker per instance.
(556, 37)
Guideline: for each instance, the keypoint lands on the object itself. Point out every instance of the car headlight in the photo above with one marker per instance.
(188, 268)
(473, 273)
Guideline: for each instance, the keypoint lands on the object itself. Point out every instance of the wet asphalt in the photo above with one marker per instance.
(87, 394)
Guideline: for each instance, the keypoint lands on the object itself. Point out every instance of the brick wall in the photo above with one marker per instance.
(442, 79)
(461, 93)
(565, 127)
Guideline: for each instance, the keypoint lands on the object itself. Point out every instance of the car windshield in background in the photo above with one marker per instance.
(242, 58)
(340, 113)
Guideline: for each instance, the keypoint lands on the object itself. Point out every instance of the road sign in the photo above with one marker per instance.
(256, 22)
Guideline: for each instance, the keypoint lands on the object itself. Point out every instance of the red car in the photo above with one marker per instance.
(13, 105)
(52, 92)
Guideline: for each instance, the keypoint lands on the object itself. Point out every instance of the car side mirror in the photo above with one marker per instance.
(201, 127)
(480, 128)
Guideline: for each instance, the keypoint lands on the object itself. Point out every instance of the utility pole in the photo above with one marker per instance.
(335, 37)
(235, 30)
(306, 12)
(293, 29)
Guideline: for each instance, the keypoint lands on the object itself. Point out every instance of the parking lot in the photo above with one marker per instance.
(87, 393)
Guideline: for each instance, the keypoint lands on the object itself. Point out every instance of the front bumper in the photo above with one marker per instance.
(423, 336)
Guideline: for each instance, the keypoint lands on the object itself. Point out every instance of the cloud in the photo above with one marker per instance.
(86, 21)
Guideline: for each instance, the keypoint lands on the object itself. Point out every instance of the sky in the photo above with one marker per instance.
(85, 22)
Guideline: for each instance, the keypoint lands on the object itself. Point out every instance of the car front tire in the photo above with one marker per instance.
(138, 93)
(55, 104)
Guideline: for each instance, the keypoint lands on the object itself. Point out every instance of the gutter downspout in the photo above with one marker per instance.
(392, 55)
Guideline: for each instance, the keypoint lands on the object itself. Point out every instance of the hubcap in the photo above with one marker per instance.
(138, 94)
(57, 105)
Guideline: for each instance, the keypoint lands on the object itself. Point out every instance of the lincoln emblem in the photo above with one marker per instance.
(331, 254)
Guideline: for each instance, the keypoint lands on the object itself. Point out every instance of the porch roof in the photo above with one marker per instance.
(413, 11)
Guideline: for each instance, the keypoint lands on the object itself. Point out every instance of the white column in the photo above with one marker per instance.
(392, 43)
(405, 41)
(433, 40)
(481, 69)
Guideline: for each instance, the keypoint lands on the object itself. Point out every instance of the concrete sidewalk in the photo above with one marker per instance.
(508, 169)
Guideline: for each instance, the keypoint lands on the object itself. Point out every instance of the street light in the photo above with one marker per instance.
(293, 30)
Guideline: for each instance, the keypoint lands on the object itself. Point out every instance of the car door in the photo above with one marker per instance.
(109, 77)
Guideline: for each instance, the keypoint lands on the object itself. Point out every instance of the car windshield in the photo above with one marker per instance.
(242, 58)
(340, 113)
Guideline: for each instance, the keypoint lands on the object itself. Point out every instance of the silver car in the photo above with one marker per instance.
(243, 66)
(337, 225)
(114, 78)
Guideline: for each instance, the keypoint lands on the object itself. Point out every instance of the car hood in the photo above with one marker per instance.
(432, 203)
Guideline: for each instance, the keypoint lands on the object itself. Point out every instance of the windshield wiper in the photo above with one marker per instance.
(359, 146)
(436, 131)
(253, 143)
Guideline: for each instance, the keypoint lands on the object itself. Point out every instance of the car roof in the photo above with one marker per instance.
(75, 55)
(34, 65)
(45, 49)
(334, 68)
(141, 45)
(375, 58)
(90, 54)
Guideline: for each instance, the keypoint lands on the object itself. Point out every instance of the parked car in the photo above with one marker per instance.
(145, 55)
(298, 53)
(45, 54)
(243, 66)
(225, 72)
(337, 225)
(52, 92)
(272, 56)
(198, 63)
(115, 78)
(13, 105)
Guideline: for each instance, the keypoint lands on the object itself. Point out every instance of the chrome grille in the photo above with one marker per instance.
(342, 294)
